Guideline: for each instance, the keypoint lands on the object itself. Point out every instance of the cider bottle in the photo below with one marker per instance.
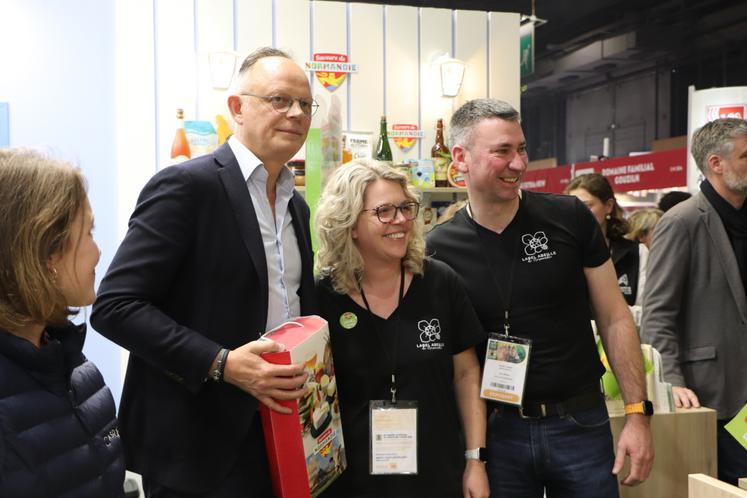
(180, 147)
(439, 154)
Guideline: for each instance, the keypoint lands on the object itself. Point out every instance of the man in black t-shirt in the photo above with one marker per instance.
(537, 265)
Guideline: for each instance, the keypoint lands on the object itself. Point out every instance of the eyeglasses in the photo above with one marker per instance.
(386, 213)
(283, 104)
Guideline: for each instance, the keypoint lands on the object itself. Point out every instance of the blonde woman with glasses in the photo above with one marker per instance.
(403, 335)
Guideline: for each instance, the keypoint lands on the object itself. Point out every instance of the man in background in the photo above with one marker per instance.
(218, 251)
(694, 308)
(671, 199)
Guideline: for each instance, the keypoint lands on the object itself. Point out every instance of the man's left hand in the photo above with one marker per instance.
(635, 440)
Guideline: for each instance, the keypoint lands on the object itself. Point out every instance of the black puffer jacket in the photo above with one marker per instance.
(58, 429)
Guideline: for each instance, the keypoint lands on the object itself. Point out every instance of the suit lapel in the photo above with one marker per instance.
(724, 251)
(304, 246)
(243, 210)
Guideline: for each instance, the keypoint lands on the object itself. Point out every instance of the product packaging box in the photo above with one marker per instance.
(305, 448)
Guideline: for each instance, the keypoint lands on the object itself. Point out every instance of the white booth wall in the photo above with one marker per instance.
(57, 75)
(97, 82)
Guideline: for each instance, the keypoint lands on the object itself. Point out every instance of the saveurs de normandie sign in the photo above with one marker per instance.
(331, 69)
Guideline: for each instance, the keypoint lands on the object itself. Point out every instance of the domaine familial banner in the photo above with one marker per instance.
(665, 169)
(405, 135)
(331, 69)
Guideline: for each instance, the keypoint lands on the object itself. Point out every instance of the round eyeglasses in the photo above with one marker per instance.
(386, 213)
(283, 104)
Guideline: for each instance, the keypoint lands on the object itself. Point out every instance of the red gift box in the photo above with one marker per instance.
(305, 448)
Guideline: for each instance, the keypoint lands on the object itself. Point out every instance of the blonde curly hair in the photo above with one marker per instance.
(337, 214)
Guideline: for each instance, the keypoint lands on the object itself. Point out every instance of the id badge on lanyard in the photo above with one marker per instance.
(505, 374)
(392, 424)
(393, 437)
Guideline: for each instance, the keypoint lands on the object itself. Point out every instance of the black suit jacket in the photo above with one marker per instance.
(189, 278)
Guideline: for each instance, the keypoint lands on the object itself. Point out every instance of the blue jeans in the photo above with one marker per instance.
(732, 457)
(566, 457)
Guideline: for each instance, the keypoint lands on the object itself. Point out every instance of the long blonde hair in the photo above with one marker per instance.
(39, 201)
(337, 214)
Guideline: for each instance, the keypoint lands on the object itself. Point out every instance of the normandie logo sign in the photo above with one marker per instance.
(331, 69)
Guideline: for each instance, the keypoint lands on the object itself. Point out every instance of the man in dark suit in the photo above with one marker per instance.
(694, 307)
(218, 251)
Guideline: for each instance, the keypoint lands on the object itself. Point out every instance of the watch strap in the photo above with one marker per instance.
(644, 407)
(476, 454)
(216, 374)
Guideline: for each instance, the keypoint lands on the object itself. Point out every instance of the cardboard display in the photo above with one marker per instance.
(305, 448)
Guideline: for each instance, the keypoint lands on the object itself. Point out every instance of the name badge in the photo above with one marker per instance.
(505, 372)
(393, 440)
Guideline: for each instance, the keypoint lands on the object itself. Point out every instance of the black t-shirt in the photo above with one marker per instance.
(434, 322)
(550, 241)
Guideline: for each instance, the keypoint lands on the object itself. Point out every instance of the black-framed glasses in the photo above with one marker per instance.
(282, 103)
(386, 213)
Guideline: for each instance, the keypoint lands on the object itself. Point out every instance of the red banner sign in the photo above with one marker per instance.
(725, 111)
(552, 180)
(665, 169)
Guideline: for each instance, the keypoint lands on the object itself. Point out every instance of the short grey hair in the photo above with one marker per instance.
(261, 53)
(471, 113)
(716, 137)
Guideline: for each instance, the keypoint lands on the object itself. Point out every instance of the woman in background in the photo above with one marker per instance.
(402, 328)
(641, 225)
(58, 429)
(629, 257)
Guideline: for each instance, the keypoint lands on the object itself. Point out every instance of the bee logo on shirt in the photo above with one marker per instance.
(536, 247)
(430, 335)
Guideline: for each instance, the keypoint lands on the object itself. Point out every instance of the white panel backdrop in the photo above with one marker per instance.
(472, 48)
(401, 97)
(367, 50)
(394, 47)
(435, 42)
(504, 79)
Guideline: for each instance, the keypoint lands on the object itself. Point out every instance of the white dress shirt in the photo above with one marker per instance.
(278, 236)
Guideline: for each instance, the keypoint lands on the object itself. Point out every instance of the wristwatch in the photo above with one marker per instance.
(645, 407)
(216, 374)
(477, 454)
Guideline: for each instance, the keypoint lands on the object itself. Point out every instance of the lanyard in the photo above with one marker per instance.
(393, 358)
(504, 299)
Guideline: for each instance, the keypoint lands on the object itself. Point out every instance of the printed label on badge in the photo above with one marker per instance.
(505, 372)
(348, 320)
(393, 437)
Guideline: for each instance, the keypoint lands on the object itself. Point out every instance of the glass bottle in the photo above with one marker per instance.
(180, 147)
(383, 150)
(347, 156)
(439, 154)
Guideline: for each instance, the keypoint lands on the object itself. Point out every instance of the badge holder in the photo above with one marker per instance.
(505, 374)
(393, 437)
